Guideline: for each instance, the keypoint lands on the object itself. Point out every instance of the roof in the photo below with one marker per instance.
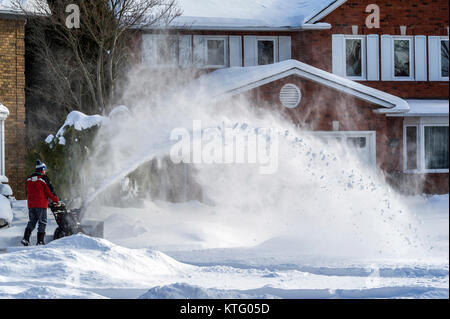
(254, 14)
(9, 7)
(234, 14)
(232, 81)
(426, 108)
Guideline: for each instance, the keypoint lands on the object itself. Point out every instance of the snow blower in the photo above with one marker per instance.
(69, 222)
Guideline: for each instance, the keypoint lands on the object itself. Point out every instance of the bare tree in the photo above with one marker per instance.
(80, 67)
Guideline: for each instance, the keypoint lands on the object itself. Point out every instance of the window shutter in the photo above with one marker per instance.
(338, 47)
(235, 51)
(434, 52)
(387, 69)
(250, 51)
(373, 58)
(185, 53)
(285, 48)
(149, 49)
(420, 53)
(199, 50)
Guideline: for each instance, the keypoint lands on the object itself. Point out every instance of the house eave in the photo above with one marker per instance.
(304, 27)
(326, 11)
(388, 102)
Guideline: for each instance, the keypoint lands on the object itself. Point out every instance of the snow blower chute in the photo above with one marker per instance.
(69, 222)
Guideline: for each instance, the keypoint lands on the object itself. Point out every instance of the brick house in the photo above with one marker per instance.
(12, 100)
(383, 89)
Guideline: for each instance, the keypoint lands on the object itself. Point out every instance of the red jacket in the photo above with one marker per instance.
(38, 191)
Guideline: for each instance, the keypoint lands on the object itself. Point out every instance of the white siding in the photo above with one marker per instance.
(285, 48)
(149, 49)
(387, 69)
(250, 51)
(434, 52)
(338, 48)
(373, 58)
(235, 51)
(420, 53)
(199, 57)
(185, 51)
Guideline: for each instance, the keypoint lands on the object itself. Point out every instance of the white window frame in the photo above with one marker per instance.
(441, 78)
(411, 76)
(275, 47)
(363, 76)
(371, 137)
(225, 52)
(421, 123)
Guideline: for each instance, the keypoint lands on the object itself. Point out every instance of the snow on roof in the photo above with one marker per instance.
(11, 6)
(426, 108)
(249, 14)
(232, 81)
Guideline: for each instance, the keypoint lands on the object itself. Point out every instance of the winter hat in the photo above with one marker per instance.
(40, 166)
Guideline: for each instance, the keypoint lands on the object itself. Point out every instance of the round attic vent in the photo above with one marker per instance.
(290, 96)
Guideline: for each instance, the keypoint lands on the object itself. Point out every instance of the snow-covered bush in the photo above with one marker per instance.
(65, 152)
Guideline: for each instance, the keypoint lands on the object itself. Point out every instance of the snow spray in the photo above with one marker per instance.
(320, 195)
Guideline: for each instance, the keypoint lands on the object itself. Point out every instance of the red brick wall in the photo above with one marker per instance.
(421, 17)
(12, 95)
(320, 106)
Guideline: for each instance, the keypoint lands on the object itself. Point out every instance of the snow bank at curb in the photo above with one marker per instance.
(48, 293)
(87, 262)
(186, 291)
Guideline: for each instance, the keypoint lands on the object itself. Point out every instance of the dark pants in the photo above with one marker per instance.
(37, 215)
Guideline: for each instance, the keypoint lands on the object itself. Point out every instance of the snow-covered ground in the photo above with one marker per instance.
(189, 251)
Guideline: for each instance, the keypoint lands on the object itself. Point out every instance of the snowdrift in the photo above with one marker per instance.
(83, 261)
(186, 291)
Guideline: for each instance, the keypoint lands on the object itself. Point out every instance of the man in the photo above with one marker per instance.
(39, 190)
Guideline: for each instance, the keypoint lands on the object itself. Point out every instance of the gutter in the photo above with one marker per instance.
(304, 27)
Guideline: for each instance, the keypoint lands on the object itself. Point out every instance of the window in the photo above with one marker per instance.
(351, 56)
(166, 51)
(216, 52)
(266, 50)
(357, 144)
(403, 58)
(355, 57)
(444, 59)
(411, 148)
(426, 147)
(436, 147)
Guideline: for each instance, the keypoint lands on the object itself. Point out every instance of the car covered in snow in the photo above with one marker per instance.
(6, 214)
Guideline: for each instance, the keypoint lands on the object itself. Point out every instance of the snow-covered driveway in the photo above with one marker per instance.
(84, 267)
